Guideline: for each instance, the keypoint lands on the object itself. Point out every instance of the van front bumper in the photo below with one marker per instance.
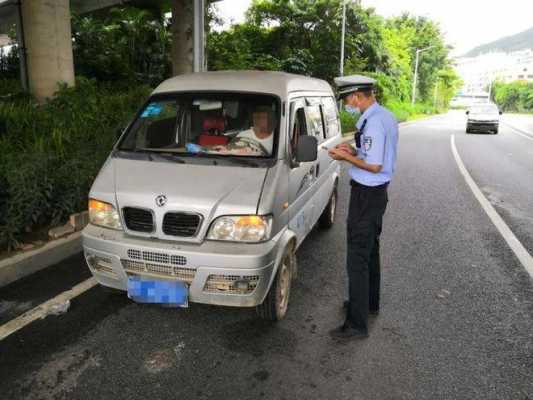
(222, 273)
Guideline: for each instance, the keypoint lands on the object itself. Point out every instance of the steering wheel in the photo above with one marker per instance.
(242, 142)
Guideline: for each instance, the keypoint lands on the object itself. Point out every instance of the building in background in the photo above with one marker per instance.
(478, 72)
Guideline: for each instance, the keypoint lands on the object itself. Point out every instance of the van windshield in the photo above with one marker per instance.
(228, 124)
(485, 109)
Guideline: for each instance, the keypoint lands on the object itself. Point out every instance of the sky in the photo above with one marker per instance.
(465, 23)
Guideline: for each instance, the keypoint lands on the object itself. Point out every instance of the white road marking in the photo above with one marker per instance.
(518, 131)
(512, 241)
(41, 310)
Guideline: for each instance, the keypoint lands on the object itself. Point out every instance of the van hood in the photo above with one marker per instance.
(208, 190)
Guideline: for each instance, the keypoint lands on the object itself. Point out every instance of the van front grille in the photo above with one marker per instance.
(161, 258)
(181, 224)
(138, 219)
(159, 270)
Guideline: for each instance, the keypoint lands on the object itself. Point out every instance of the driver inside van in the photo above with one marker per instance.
(258, 140)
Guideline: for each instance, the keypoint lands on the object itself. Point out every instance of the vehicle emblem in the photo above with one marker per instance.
(161, 200)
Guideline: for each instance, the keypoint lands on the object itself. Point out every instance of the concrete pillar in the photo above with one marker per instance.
(182, 36)
(48, 41)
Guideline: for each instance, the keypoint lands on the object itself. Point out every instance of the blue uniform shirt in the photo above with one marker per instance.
(379, 140)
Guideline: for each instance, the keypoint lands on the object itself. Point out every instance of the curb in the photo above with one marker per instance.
(24, 264)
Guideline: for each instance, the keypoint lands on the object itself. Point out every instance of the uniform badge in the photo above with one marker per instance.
(367, 143)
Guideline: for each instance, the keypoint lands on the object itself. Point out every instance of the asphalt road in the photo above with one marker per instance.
(456, 320)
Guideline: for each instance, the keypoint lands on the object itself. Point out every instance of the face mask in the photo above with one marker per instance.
(352, 109)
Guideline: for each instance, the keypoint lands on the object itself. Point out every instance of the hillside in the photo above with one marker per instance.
(520, 41)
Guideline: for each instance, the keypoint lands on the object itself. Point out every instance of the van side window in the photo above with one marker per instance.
(331, 116)
(315, 124)
(296, 125)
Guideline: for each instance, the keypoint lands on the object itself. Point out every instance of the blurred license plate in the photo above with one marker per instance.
(143, 290)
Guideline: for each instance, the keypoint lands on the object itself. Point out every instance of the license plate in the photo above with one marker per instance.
(143, 290)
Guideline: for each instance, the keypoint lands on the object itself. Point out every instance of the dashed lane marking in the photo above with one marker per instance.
(512, 241)
(42, 310)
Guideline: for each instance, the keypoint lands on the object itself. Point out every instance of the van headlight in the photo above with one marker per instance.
(103, 214)
(241, 228)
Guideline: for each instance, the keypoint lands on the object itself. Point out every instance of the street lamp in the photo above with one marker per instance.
(418, 51)
(341, 69)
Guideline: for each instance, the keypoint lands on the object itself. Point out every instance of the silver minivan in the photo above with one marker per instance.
(211, 189)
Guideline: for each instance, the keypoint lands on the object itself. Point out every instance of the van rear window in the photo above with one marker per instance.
(228, 124)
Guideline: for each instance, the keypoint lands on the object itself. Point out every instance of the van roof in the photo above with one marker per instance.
(277, 83)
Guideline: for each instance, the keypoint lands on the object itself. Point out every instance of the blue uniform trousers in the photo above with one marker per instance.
(365, 219)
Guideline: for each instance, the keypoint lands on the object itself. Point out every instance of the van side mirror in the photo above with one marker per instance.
(468, 112)
(307, 149)
(501, 112)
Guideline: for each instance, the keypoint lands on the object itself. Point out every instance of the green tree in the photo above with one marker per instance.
(128, 44)
(301, 36)
(514, 96)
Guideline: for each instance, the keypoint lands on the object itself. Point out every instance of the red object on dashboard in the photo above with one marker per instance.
(212, 133)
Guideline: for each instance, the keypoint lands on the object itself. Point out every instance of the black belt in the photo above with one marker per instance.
(357, 184)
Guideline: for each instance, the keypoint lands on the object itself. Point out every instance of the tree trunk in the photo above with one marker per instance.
(182, 36)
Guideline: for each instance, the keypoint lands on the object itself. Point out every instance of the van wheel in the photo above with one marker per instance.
(275, 306)
(327, 219)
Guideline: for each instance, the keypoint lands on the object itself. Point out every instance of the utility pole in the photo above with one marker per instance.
(198, 36)
(341, 69)
(418, 51)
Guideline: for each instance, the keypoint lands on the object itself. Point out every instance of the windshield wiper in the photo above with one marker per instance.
(168, 156)
(165, 155)
(241, 160)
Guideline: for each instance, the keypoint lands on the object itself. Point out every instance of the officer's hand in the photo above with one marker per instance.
(346, 147)
(338, 154)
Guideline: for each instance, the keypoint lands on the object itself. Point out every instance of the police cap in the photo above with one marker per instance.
(353, 83)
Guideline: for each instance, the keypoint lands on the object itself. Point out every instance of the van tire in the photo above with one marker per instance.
(276, 303)
(327, 219)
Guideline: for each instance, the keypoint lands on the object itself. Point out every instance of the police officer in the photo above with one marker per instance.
(371, 168)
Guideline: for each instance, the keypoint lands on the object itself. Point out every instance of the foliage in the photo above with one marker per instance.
(403, 111)
(51, 153)
(129, 44)
(348, 121)
(297, 36)
(515, 96)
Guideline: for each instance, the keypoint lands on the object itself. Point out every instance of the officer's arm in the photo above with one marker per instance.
(375, 168)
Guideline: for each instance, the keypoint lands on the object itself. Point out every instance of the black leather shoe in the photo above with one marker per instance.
(345, 332)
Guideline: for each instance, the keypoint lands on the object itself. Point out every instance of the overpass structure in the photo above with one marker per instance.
(44, 36)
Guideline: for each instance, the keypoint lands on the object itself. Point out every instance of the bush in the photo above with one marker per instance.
(514, 96)
(402, 111)
(51, 153)
(405, 111)
(348, 121)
